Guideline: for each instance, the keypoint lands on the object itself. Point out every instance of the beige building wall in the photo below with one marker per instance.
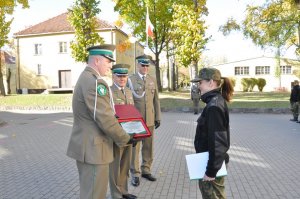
(51, 61)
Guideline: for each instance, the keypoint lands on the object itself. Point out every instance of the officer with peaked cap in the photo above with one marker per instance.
(95, 127)
(145, 95)
(119, 168)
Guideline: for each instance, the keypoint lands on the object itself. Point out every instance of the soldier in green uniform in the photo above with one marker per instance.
(195, 96)
(95, 127)
(145, 95)
(119, 168)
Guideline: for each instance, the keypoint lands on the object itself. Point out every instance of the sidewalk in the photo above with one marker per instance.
(264, 158)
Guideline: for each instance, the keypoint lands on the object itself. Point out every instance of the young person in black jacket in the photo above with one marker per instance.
(213, 133)
(295, 100)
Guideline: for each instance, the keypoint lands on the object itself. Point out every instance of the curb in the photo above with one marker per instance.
(179, 109)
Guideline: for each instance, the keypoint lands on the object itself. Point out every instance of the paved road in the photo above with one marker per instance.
(265, 160)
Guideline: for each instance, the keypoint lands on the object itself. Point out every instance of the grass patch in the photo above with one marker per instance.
(167, 99)
(32, 100)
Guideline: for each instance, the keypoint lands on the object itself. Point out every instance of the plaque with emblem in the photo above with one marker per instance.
(132, 121)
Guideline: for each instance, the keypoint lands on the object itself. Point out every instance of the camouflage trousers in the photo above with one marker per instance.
(213, 189)
(295, 109)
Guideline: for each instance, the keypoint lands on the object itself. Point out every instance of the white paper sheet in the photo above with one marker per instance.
(197, 163)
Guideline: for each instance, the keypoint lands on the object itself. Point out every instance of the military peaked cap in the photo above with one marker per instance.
(105, 50)
(120, 69)
(144, 59)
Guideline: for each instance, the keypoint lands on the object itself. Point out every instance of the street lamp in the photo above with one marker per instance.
(133, 41)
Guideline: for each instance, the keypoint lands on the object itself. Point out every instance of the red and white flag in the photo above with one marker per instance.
(149, 26)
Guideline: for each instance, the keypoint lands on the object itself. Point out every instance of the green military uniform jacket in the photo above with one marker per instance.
(95, 126)
(195, 93)
(119, 97)
(148, 104)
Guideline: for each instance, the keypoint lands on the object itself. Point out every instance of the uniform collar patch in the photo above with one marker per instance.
(101, 90)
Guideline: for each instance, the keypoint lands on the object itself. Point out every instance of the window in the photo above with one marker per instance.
(241, 70)
(262, 70)
(39, 69)
(62, 47)
(37, 49)
(286, 70)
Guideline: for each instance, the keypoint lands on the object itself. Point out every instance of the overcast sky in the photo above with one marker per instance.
(233, 47)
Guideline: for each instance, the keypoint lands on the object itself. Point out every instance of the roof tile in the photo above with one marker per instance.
(57, 24)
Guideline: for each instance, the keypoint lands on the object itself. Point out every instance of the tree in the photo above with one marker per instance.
(82, 17)
(275, 24)
(188, 33)
(160, 11)
(6, 8)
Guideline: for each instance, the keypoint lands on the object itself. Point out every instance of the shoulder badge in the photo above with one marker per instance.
(101, 90)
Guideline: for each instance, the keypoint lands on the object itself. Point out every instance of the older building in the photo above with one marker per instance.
(44, 58)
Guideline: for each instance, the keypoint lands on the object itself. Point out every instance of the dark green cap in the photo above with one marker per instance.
(208, 74)
(120, 69)
(105, 50)
(144, 59)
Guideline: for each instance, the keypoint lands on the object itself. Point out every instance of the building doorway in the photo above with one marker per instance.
(65, 80)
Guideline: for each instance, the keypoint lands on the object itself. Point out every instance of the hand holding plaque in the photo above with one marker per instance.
(132, 121)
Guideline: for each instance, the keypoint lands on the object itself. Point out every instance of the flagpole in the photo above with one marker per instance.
(147, 15)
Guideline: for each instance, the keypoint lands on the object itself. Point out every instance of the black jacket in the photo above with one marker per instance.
(213, 133)
(295, 94)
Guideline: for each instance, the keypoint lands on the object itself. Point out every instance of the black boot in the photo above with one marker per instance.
(294, 120)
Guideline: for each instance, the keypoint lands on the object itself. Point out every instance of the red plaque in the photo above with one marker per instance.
(132, 121)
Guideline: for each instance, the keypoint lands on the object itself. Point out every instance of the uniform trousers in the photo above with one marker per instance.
(295, 109)
(119, 171)
(196, 104)
(147, 146)
(213, 189)
(93, 180)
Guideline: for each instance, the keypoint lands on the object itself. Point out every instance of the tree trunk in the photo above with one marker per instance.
(8, 81)
(157, 72)
(2, 89)
(195, 66)
(168, 69)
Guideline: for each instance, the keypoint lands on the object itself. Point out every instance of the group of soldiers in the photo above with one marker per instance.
(104, 152)
(295, 100)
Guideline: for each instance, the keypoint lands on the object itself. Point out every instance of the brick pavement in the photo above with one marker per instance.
(264, 154)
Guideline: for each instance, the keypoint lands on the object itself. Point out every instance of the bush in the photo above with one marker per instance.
(233, 81)
(252, 84)
(261, 83)
(246, 84)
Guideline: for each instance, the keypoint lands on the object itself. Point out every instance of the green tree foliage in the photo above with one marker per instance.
(7, 8)
(274, 24)
(82, 17)
(188, 33)
(160, 11)
(261, 83)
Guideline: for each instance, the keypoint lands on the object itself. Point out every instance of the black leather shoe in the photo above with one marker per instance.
(129, 196)
(135, 181)
(149, 177)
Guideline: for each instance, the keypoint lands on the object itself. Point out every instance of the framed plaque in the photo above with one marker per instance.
(132, 121)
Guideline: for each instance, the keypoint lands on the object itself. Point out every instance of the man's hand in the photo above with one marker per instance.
(132, 140)
(157, 124)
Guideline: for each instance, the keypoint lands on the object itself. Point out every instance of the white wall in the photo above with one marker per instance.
(227, 70)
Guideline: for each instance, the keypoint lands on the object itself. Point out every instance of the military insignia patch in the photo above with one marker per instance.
(101, 90)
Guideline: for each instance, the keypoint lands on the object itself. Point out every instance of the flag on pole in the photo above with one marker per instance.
(149, 26)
